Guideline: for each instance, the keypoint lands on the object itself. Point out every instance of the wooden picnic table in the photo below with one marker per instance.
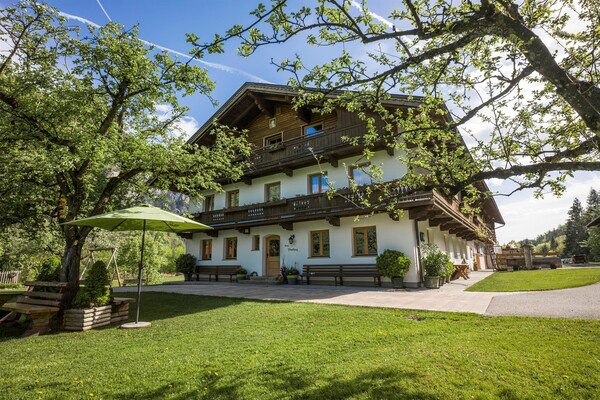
(461, 271)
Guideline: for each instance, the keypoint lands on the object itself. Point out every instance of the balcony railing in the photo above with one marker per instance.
(299, 208)
(304, 148)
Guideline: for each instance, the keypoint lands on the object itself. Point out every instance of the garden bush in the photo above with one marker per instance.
(50, 269)
(96, 291)
(392, 263)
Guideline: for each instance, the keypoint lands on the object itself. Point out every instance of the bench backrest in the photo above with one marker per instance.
(342, 269)
(218, 269)
(43, 293)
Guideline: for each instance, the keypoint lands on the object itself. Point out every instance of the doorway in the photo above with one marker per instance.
(272, 250)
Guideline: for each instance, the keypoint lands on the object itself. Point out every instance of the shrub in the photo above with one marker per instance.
(186, 263)
(50, 269)
(449, 269)
(293, 271)
(434, 260)
(392, 263)
(241, 271)
(96, 291)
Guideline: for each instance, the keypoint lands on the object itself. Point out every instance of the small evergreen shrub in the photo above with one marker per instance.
(185, 263)
(434, 261)
(242, 271)
(392, 263)
(96, 291)
(50, 269)
(293, 271)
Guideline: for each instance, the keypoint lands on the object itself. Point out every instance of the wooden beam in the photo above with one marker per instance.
(245, 231)
(288, 226)
(421, 213)
(333, 221)
(389, 150)
(264, 105)
(393, 216)
(450, 225)
(331, 159)
(212, 233)
(246, 179)
(288, 171)
(186, 235)
(438, 220)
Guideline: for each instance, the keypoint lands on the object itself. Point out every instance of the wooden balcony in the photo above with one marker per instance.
(301, 208)
(302, 151)
(430, 206)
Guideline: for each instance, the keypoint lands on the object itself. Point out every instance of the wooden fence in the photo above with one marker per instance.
(9, 277)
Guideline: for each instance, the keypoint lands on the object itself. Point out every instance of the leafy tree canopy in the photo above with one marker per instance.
(526, 71)
(80, 131)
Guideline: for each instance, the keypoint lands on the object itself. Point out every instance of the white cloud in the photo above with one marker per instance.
(222, 67)
(189, 125)
(378, 17)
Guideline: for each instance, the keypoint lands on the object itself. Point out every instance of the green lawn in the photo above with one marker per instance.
(219, 348)
(547, 279)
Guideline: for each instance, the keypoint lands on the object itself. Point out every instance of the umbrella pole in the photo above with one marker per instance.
(139, 291)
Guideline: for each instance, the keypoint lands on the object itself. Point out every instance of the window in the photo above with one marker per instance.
(209, 203)
(365, 241)
(233, 198)
(256, 242)
(273, 139)
(272, 122)
(313, 130)
(360, 174)
(206, 250)
(317, 183)
(273, 191)
(231, 248)
(319, 244)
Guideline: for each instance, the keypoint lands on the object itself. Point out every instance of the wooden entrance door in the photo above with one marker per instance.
(272, 256)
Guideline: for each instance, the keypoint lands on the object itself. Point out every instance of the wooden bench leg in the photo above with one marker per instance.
(11, 316)
(40, 324)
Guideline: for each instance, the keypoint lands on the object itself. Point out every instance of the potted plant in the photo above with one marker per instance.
(449, 270)
(185, 264)
(241, 274)
(292, 276)
(434, 263)
(92, 302)
(393, 264)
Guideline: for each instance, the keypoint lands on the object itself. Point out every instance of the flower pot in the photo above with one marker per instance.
(447, 278)
(397, 282)
(442, 280)
(241, 277)
(292, 279)
(83, 319)
(432, 282)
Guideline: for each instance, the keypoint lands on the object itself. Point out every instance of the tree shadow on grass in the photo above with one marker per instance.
(154, 307)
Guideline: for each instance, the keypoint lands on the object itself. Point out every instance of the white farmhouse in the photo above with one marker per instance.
(279, 213)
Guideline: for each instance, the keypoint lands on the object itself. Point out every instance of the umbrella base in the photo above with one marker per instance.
(133, 325)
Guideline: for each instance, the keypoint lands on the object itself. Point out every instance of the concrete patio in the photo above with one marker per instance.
(452, 297)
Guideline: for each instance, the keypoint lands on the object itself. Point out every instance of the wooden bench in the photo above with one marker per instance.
(216, 270)
(39, 304)
(341, 271)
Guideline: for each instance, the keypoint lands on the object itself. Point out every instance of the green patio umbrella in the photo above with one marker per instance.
(141, 218)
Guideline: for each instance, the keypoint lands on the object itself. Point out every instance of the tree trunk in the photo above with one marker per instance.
(70, 269)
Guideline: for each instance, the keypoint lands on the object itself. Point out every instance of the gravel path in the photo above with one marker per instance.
(581, 302)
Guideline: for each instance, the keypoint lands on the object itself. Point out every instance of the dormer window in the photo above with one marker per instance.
(313, 130)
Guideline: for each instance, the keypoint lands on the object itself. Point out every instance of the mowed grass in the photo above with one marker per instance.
(549, 279)
(220, 348)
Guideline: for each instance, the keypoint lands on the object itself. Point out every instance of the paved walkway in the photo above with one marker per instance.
(576, 303)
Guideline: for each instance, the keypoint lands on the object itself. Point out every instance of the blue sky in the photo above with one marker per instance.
(166, 23)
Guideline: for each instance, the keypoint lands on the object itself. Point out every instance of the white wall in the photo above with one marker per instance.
(298, 183)
(396, 235)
